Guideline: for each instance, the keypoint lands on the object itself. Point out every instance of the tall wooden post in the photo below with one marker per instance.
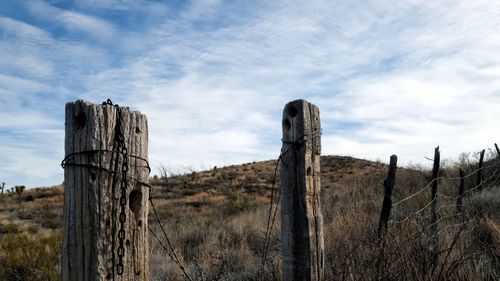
(387, 203)
(479, 169)
(301, 217)
(105, 176)
(498, 150)
(435, 172)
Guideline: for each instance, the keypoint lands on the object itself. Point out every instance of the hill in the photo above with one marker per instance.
(216, 221)
(199, 192)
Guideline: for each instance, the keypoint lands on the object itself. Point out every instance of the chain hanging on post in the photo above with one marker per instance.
(105, 229)
(121, 147)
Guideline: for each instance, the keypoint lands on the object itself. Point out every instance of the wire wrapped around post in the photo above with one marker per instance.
(301, 215)
(106, 192)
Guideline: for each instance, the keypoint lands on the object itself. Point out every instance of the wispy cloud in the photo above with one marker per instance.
(73, 21)
(213, 76)
(91, 25)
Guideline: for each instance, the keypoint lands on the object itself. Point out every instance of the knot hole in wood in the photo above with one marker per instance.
(80, 120)
(135, 199)
(291, 112)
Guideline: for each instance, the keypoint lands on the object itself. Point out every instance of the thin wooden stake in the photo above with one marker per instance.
(92, 194)
(387, 203)
(461, 190)
(496, 170)
(479, 169)
(435, 172)
(301, 217)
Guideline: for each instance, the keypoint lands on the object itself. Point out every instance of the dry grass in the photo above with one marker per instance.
(216, 221)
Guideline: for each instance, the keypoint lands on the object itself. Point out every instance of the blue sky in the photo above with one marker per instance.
(213, 76)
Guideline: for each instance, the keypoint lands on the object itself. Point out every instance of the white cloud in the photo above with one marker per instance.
(31, 157)
(202, 9)
(22, 29)
(409, 62)
(23, 56)
(213, 76)
(91, 25)
(74, 21)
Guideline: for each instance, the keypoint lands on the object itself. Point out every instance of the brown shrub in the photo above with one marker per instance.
(30, 258)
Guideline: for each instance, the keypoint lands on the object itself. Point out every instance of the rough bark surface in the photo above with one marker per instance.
(91, 200)
(301, 216)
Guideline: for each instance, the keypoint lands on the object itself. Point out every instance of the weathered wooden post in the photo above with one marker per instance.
(479, 169)
(496, 170)
(461, 190)
(387, 203)
(105, 194)
(301, 217)
(435, 172)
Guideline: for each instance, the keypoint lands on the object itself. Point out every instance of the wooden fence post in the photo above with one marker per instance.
(480, 167)
(461, 190)
(105, 226)
(301, 217)
(435, 172)
(498, 150)
(387, 203)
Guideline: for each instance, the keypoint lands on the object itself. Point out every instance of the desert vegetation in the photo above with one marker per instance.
(216, 222)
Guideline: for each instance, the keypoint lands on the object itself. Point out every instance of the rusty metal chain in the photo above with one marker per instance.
(121, 147)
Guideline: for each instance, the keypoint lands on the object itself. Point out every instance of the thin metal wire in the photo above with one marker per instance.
(445, 178)
(413, 214)
(98, 151)
(267, 234)
(172, 253)
(294, 145)
(118, 151)
(271, 223)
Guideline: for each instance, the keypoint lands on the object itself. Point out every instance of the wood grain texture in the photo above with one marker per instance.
(301, 216)
(91, 201)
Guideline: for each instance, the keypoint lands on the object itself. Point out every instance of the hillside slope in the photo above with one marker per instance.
(200, 192)
(216, 221)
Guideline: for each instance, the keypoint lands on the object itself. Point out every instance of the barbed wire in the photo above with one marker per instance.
(413, 214)
(440, 207)
(446, 178)
(268, 226)
(447, 227)
(170, 250)
(272, 215)
(294, 145)
(121, 152)
(448, 221)
(64, 162)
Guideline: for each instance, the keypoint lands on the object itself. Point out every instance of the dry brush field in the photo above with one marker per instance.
(216, 221)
